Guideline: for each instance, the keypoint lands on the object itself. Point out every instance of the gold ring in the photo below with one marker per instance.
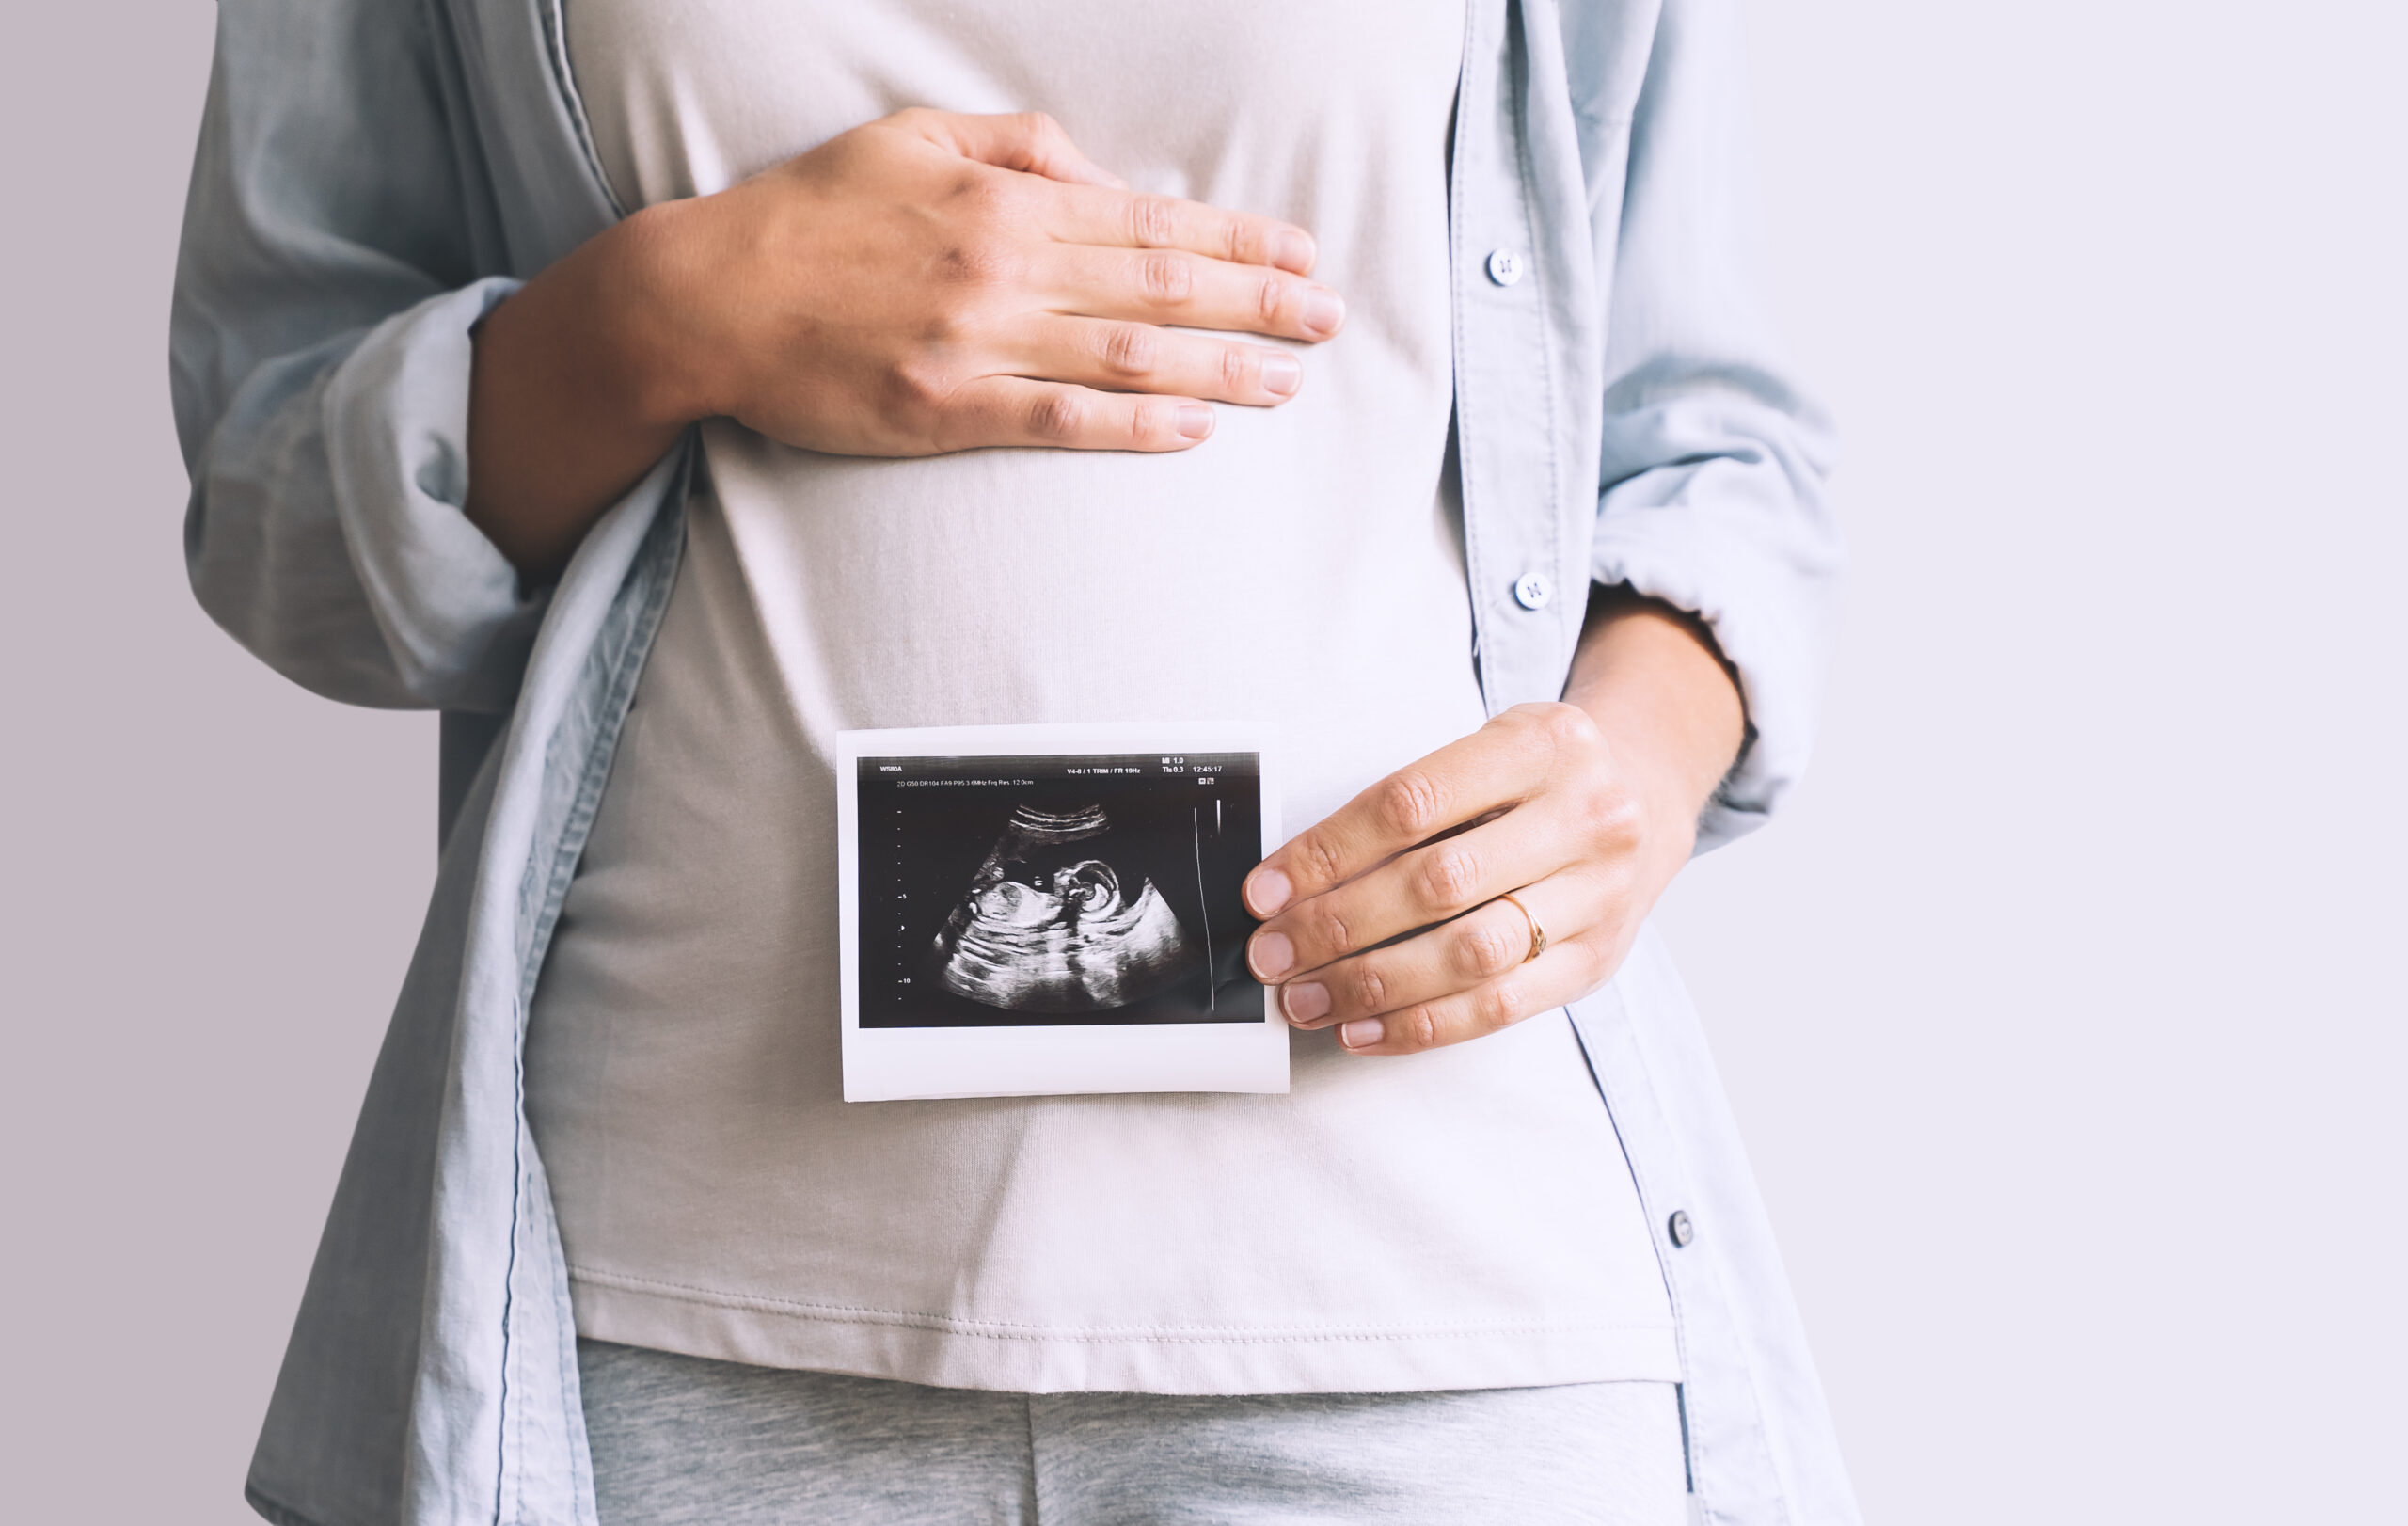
(1538, 934)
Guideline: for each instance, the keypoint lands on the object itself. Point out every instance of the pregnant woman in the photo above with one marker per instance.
(659, 391)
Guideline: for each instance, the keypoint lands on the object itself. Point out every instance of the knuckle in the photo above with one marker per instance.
(1057, 416)
(1529, 725)
(982, 195)
(1236, 370)
(1318, 859)
(1569, 725)
(1580, 733)
(1409, 803)
(1131, 350)
(1484, 950)
(1496, 1005)
(947, 331)
(1416, 1029)
(1450, 876)
(1152, 220)
(1615, 819)
(1367, 989)
(920, 383)
(1167, 279)
(1271, 297)
(1327, 930)
(977, 264)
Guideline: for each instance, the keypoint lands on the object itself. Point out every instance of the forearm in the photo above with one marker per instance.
(575, 392)
(1652, 679)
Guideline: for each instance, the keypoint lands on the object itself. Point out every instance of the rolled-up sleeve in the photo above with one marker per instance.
(1713, 464)
(327, 288)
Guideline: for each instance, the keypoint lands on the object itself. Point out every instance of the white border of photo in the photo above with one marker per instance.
(1054, 1059)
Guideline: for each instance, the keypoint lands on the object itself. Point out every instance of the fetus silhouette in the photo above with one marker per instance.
(1048, 925)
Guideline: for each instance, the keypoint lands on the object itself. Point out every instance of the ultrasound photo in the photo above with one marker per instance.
(1056, 890)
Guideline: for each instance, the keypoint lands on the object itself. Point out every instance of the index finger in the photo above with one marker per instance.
(1500, 765)
(1133, 219)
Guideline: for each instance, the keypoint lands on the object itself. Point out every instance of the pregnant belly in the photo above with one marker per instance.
(1316, 593)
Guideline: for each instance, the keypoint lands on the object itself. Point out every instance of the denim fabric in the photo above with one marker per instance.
(373, 175)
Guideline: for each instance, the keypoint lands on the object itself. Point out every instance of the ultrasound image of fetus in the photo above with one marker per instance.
(1048, 925)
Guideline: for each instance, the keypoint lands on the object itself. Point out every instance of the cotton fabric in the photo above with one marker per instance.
(680, 1440)
(1393, 1224)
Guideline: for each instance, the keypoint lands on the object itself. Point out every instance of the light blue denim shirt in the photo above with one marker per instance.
(375, 175)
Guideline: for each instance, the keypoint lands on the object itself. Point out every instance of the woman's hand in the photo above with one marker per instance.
(933, 282)
(927, 282)
(1582, 810)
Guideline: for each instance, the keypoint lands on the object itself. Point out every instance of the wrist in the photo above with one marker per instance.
(580, 383)
(1657, 688)
(1671, 786)
(650, 281)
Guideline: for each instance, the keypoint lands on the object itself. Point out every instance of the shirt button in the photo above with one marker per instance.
(1680, 1230)
(1504, 266)
(1531, 590)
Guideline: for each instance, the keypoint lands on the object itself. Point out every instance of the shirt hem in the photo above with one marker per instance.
(272, 1510)
(942, 1351)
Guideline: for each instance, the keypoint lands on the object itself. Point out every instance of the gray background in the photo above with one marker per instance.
(2062, 1011)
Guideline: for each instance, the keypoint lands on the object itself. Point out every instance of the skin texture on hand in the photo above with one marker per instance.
(924, 283)
(1583, 810)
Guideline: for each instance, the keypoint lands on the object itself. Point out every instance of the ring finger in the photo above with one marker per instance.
(1168, 286)
(1144, 357)
(1112, 217)
(1488, 942)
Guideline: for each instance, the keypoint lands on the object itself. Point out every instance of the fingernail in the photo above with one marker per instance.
(1291, 250)
(1267, 891)
(1272, 955)
(1322, 312)
(1362, 1033)
(1305, 1001)
(1281, 373)
(1194, 420)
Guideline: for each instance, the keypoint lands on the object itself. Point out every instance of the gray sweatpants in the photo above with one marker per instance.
(679, 1440)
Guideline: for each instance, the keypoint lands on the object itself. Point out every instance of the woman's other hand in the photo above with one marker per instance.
(924, 283)
(1583, 810)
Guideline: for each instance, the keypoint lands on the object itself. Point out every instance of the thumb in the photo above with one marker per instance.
(1030, 141)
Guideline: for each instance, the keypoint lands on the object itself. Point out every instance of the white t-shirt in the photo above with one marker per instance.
(1460, 1218)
